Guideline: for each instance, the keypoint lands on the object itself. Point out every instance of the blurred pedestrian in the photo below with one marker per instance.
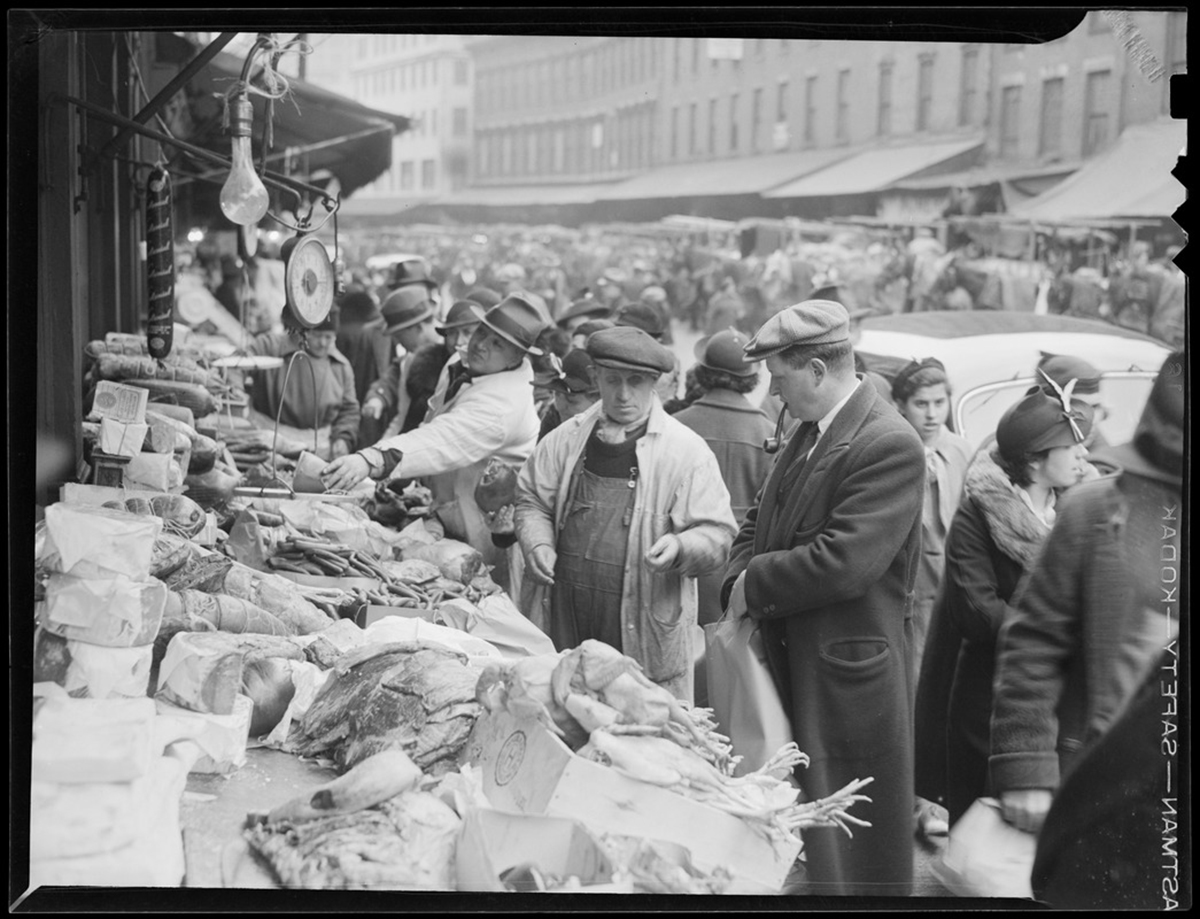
(574, 388)
(410, 319)
(581, 311)
(1005, 516)
(1100, 605)
(362, 339)
(826, 562)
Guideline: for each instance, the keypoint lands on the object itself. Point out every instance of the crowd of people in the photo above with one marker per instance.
(955, 623)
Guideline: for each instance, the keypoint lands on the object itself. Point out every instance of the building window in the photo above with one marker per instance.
(674, 132)
(406, 175)
(1096, 111)
(969, 86)
(712, 127)
(459, 116)
(1010, 120)
(755, 119)
(924, 91)
(733, 123)
(842, 129)
(1050, 138)
(781, 101)
(883, 122)
(460, 72)
(692, 129)
(810, 110)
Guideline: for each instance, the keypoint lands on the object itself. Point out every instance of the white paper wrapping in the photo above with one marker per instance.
(114, 541)
(221, 737)
(117, 612)
(106, 673)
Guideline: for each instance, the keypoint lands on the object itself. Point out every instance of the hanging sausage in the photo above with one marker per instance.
(160, 263)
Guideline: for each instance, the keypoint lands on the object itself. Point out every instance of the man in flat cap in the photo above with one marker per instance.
(619, 510)
(826, 561)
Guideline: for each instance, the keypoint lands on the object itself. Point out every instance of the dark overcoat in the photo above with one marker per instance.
(830, 568)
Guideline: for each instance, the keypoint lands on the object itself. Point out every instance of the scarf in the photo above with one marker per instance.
(1015, 528)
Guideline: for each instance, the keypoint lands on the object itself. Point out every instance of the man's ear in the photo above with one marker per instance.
(819, 370)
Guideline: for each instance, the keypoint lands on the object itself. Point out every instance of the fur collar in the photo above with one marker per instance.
(1015, 529)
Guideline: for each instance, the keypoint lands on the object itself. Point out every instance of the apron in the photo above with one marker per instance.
(589, 574)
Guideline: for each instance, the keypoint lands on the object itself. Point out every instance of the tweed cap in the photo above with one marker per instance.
(1039, 422)
(813, 322)
(1063, 368)
(406, 306)
(629, 348)
(459, 315)
(725, 353)
(641, 316)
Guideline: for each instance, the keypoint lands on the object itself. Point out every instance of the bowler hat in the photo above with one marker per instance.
(516, 320)
(629, 348)
(587, 306)
(812, 322)
(641, 316)
(1040, 421)
(725, 353)
(411, 271)
(407, 306)
(458, 315)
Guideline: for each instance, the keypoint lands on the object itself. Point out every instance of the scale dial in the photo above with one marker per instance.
(308, 279)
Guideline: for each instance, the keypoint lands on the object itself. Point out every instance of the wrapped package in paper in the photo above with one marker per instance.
(221, 737)
(92, 740)
(154, 471)
(121, 438)
(115, 612)
(200, 676)
(497, 621)
(99, 540)
(97, 672)
(308, 680)
(153, 857)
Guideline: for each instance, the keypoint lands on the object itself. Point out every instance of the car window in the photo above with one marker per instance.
(1122, 397)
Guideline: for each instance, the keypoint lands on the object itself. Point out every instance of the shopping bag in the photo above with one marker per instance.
(741, 691)
(986, 856)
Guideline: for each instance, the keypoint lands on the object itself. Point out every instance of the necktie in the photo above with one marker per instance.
(807, 434)
(460, 377)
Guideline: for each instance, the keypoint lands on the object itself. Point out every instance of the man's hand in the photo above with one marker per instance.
(339, 447)
(737, 598)
(541, 564)
(501, 521)
(1026, 808)
(373, 408)
(663, 554)
(345, 472)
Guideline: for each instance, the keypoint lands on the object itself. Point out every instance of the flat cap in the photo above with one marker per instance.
(813, 322)
(1039, 422)
(629, 348)
(641, 316)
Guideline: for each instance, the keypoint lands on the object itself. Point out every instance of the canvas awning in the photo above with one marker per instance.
(1131, 179)
(521, 195)
(879, 167)
(316, 132)
(722, 177)
(985, 175)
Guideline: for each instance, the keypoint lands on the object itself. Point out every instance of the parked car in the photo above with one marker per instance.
(991, 358)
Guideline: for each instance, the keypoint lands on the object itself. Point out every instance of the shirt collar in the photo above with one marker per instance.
(824, 423)
(1045, 515)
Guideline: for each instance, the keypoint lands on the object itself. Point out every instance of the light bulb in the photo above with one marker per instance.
(244, 198)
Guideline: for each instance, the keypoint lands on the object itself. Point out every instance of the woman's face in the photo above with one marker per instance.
(489, 353)
(570, 404)
(1062, 466)
(927, 410)
(626, 394)
(458, 339)
(319, 344)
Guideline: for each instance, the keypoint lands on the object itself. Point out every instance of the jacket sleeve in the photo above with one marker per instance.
(874, 508)
(975, 606)
(473, 429)
(537, 490)
(702, 519)
(387, 387)
(1035, 650)
(742, 549)
(346, 421)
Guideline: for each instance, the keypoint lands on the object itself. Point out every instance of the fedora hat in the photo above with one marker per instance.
(458, 316)
(407, 306)
(516, 320)
(411, 271)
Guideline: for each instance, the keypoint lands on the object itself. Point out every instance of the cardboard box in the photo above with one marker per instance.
(120, 402)
(491, 843)
(528, 770)
(370, 614)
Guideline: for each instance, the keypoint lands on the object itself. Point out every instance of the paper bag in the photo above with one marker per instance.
(741, 691)
(986, 856)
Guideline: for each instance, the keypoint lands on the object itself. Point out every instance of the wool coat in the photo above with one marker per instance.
(734, 430)
(993, 538)
(679, 490)
(830, 567)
